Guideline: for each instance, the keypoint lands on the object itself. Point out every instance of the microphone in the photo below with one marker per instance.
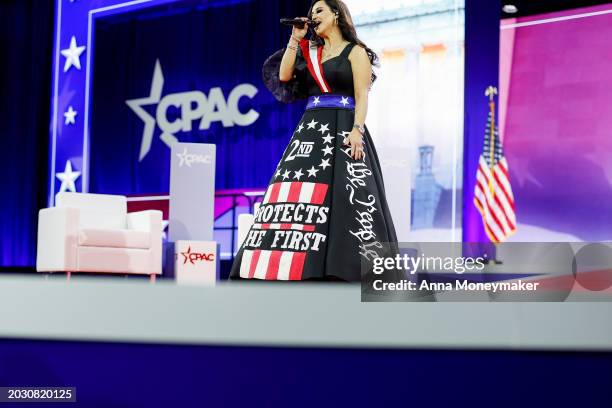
(297, 22)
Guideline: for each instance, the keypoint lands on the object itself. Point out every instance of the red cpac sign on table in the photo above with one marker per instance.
(196, 262)
(194, 257)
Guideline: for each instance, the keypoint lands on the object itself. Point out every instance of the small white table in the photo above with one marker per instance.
(196, 262)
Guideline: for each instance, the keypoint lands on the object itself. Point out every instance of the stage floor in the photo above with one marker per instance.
(287, 315)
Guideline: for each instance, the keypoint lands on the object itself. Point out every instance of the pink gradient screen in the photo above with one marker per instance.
(555, 115)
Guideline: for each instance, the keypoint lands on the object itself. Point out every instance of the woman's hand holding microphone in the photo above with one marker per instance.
(297, 34)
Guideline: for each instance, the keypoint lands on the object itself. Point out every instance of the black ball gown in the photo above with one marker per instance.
(324, 215)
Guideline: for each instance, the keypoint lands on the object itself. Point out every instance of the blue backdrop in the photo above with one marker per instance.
(26, 33)
(199, 48)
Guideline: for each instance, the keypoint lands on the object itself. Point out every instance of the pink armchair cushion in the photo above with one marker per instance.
(96, 211)
(114, 238)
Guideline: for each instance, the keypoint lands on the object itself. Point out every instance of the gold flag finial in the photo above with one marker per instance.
(491, 92)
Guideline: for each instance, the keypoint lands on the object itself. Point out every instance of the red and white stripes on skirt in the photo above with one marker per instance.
(275, 264)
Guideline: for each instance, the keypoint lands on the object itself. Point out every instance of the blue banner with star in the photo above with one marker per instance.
(133, 78)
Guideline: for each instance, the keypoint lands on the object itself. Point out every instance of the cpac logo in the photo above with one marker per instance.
(188, 159)
(193, 106)
(194, 257)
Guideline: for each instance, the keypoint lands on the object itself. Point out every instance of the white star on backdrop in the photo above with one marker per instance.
(300, 128)
(325, 164)
(278, 173)
(316, 101)
(286, 174)
(63, 100)
(327, 150)
(328, 138)
(136, 105)
(344, 101)
(298, 174)
(68, 177)
(324, 128)
(312, 124)
(70, 115)
(73, 55)
(312, 172)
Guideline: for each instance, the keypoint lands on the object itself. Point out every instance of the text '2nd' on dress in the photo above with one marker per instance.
(323, 213)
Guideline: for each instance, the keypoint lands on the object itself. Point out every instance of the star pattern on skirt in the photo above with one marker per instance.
(328, 139)
(312, 172)
(300, 128)
(325, 164)
(278, 173)
(327, 150)
(324, 128)
(298, 174)
(286, 174)
(312, 124)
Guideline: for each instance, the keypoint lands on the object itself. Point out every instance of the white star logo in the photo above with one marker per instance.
(312, 172)
(73, 55)
(68, 177)
(324, 128)
(316, 101)
(325, 164)
(312, 124)
(137, 106)
(183, 158)
(300, 128)
(298, 174)
(286, 174)
(70, 115)
(344, 101)
(278, 173)
(327, 150)
(328, 138)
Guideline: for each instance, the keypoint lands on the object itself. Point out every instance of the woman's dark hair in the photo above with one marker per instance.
(347, 28)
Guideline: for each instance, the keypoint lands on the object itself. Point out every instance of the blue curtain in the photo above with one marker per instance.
(26, 40)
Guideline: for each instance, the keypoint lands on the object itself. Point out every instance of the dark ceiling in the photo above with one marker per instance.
(531, 7)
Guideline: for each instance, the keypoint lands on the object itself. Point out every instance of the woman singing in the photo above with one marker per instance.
(324, 215)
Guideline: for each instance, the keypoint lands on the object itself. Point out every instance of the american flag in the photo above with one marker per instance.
(493, 193)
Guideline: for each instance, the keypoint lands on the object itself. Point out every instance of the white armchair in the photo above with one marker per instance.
(95, 233)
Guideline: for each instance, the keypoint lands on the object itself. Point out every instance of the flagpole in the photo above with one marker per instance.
(491, 92)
